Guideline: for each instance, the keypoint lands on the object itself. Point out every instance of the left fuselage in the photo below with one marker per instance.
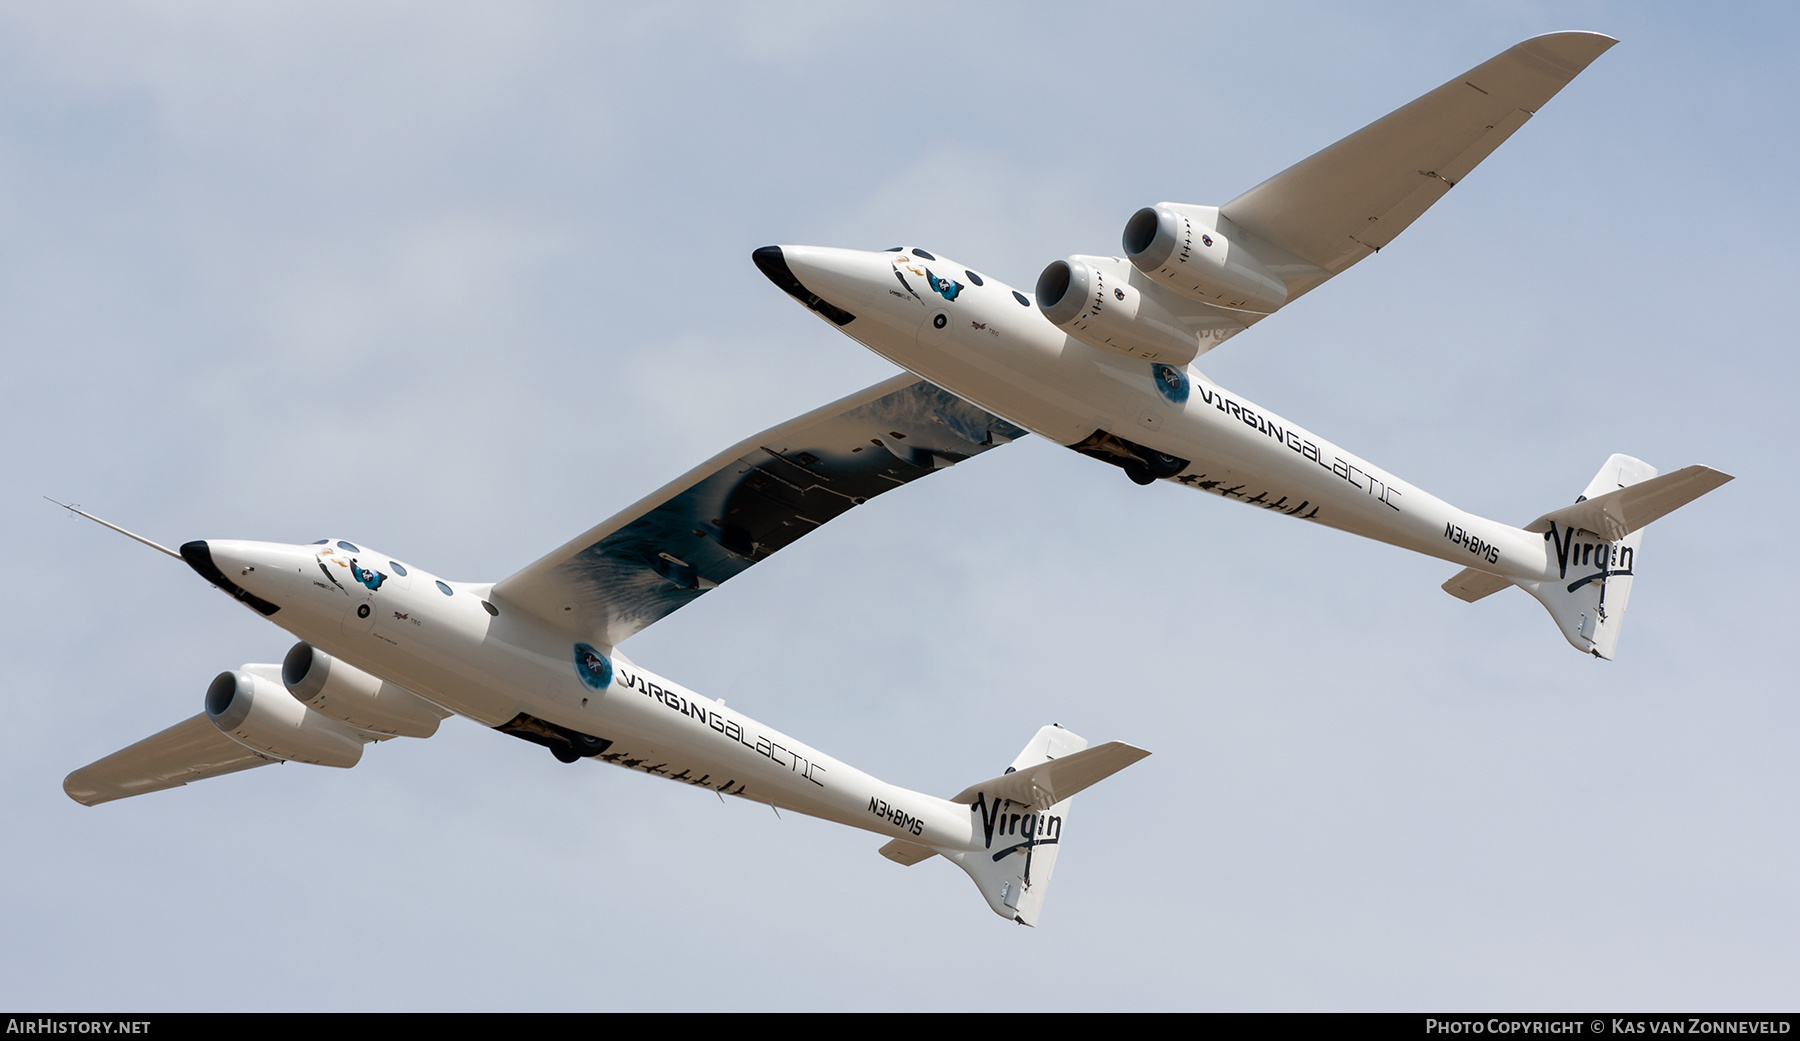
(451, 644)
(987, 342)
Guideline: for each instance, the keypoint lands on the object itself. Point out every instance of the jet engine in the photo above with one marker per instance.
(1194, 257)
(256, 712)
(350, 695)
(1093, 300)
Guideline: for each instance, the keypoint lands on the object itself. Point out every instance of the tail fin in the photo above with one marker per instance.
(1020, 816)
(1595, 546)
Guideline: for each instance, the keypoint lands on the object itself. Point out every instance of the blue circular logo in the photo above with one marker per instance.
(1171, 382)
(594, 668)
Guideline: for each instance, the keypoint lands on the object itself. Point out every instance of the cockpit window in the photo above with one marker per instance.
(347, 547)
(923, 255)
(893, 249)
(399, 569)
(323, 542)
(444, 589)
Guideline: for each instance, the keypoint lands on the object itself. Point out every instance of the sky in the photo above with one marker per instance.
(459, 281)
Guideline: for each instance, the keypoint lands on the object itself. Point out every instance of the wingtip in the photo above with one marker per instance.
(80, 791)
(1716, 478)
(1137, 754)
(1709, 476)
(1571, 51)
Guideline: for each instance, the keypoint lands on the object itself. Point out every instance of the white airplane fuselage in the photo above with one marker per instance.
(990, 345)
(449, 649)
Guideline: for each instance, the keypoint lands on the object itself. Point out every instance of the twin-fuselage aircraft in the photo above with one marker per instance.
(1098, 358)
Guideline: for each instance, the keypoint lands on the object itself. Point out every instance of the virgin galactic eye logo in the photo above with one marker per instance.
(372, 579)
(944, 287)
(594, 668)
(1171, 382)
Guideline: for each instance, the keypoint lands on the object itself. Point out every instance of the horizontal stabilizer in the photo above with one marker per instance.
(907, 853)
(192, 750)
(1472, 584)
(1619, 513)
(1051, 782)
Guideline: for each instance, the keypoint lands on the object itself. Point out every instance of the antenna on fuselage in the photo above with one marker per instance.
(115, 527)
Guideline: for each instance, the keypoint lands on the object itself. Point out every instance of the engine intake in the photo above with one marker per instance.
(256, 713)
(1093, 300)
(350, 695)
(1198, 260)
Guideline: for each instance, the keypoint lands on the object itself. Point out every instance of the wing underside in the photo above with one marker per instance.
(189, 751)
(1352, 198)
(746, 503)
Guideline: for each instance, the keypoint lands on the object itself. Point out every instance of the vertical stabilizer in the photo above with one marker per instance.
(1588, 598)
(1593, 584)
(1019, 817)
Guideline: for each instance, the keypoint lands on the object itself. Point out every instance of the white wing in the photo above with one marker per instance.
(1342, 203)
(192, 750)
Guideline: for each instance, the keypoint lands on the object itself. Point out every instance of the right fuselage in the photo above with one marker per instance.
(986, 341)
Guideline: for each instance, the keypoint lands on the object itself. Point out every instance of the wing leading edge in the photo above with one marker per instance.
(749, 501)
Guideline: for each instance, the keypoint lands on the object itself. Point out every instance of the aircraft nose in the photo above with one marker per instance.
(199, 556)
(821, 278)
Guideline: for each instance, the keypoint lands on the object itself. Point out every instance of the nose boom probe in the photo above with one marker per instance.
(115, 527)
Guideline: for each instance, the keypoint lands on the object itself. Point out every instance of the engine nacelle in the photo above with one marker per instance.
(1093, 300)
(257, 713)
(350, 695)
(1178, 251)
